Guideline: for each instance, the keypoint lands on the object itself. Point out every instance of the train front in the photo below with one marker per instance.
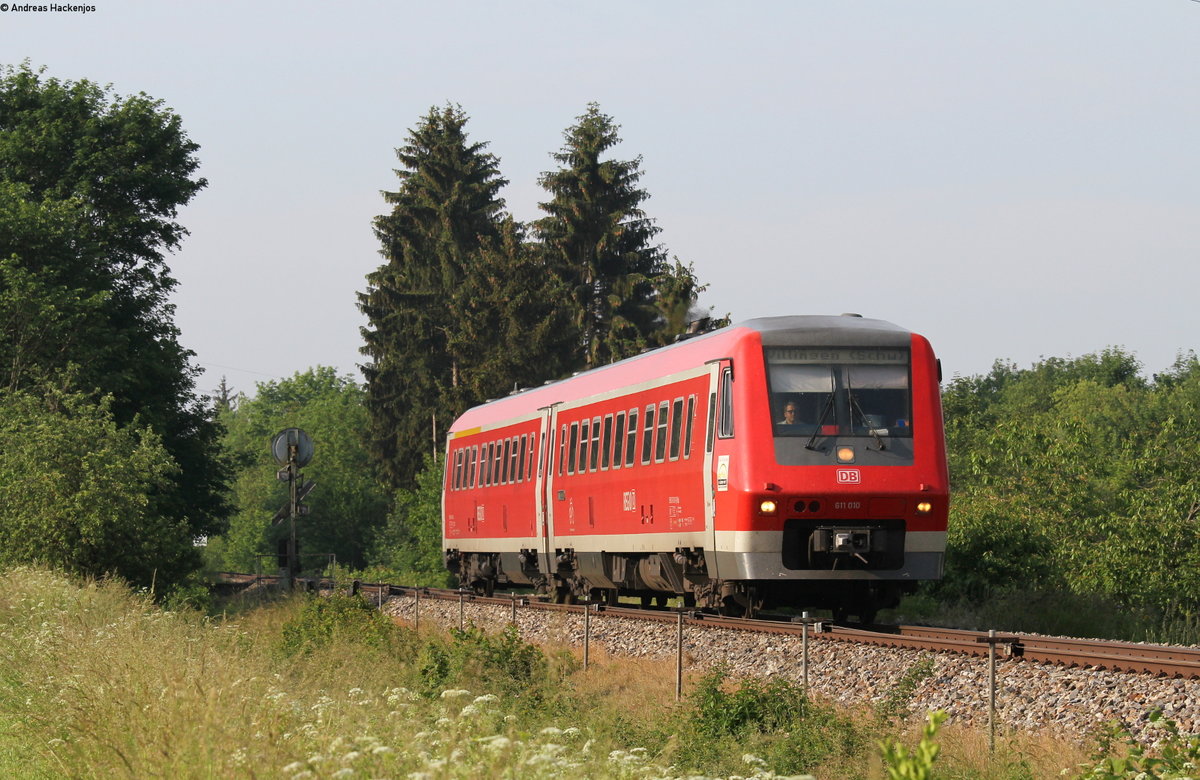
(844, 498)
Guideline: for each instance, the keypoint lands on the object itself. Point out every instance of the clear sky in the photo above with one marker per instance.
(1015, 180)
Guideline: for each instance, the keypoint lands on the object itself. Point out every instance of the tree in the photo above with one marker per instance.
(446, 210)
(348, 504)
(624, 294)
(90, 187)
(409, 545)
(75, 490)
(1076, 475)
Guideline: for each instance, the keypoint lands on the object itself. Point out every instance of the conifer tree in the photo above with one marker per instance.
(601, 240)
(446, 208)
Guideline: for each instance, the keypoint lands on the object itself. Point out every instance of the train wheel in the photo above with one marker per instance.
(484, 587)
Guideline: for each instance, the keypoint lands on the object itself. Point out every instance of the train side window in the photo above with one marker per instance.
(504, 462)
(595, 444)
(562, 451)
(474, 465)
(534, 451)
(485, 465)
(460, 467)
(660, 442)
(606, 456)
(517, 458)
(725, 431)
(712, 418)
(691, 419)
(585, 429)
(456, 471)
(618, 440)
(571, 449)
(522, 460)
(648, 435)
(631, 438)
(496, 464)
(676, 427)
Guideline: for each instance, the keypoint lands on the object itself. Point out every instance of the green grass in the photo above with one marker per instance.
(96, 681)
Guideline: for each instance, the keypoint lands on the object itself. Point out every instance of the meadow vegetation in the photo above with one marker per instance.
(99, 681)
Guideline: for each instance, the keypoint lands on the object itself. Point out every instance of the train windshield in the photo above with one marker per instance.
(840, 391)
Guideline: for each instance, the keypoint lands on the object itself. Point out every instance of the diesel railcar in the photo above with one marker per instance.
(787, 461)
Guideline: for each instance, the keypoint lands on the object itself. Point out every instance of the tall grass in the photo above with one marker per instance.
(96, 681)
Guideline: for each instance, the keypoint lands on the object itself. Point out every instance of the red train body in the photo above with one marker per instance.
(794, 461)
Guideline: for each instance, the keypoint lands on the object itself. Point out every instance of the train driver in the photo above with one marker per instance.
(789, 413)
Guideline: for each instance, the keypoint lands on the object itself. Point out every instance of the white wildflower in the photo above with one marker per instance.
(351, 757)
(455, 693)
(294, 767)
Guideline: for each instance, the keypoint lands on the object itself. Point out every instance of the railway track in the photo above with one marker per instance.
(1157, 660)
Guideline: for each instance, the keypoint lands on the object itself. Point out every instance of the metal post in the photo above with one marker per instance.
(991, 692)
(679, 658)
(587, 632)
(417, 613)
(514, 608)
(461, 597)
(804, 651)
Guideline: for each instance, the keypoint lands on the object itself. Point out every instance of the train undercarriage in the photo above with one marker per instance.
(654, 578)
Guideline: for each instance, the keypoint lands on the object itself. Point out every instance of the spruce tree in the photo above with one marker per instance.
(601, 240)
(445, 210)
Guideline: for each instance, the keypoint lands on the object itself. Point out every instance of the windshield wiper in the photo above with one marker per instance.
(824, 413)
(854, 406)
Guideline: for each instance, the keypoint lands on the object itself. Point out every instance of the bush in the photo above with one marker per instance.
(501, 663)
(770, 722)
(324, 619)
(1118, 755)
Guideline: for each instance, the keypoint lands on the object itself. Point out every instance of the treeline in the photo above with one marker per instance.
(470, 304)
(1075, 488)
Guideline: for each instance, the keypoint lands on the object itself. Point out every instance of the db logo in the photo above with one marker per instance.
(849, 477)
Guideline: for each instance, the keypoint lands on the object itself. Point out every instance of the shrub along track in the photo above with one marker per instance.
(1069, 686)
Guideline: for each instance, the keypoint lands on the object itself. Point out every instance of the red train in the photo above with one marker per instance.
(787, 461)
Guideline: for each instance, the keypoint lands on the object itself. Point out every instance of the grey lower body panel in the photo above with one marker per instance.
(768, 566)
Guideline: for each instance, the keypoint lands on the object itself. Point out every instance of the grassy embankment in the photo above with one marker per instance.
(98, 682)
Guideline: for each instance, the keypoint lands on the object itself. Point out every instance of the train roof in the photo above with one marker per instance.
(827, 330)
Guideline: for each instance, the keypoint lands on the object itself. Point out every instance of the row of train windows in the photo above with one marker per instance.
(597, 445)
(588, 445)
(495, 463)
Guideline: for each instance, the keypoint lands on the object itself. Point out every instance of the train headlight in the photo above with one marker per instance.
(767, 507)
(924, 508)
(845, 454)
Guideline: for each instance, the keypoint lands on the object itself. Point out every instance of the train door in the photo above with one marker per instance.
(717, 452)
(545, 487)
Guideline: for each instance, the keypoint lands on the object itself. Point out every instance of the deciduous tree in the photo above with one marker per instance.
(90, 187)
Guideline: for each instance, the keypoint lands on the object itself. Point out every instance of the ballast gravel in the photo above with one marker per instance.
(1071, 703)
